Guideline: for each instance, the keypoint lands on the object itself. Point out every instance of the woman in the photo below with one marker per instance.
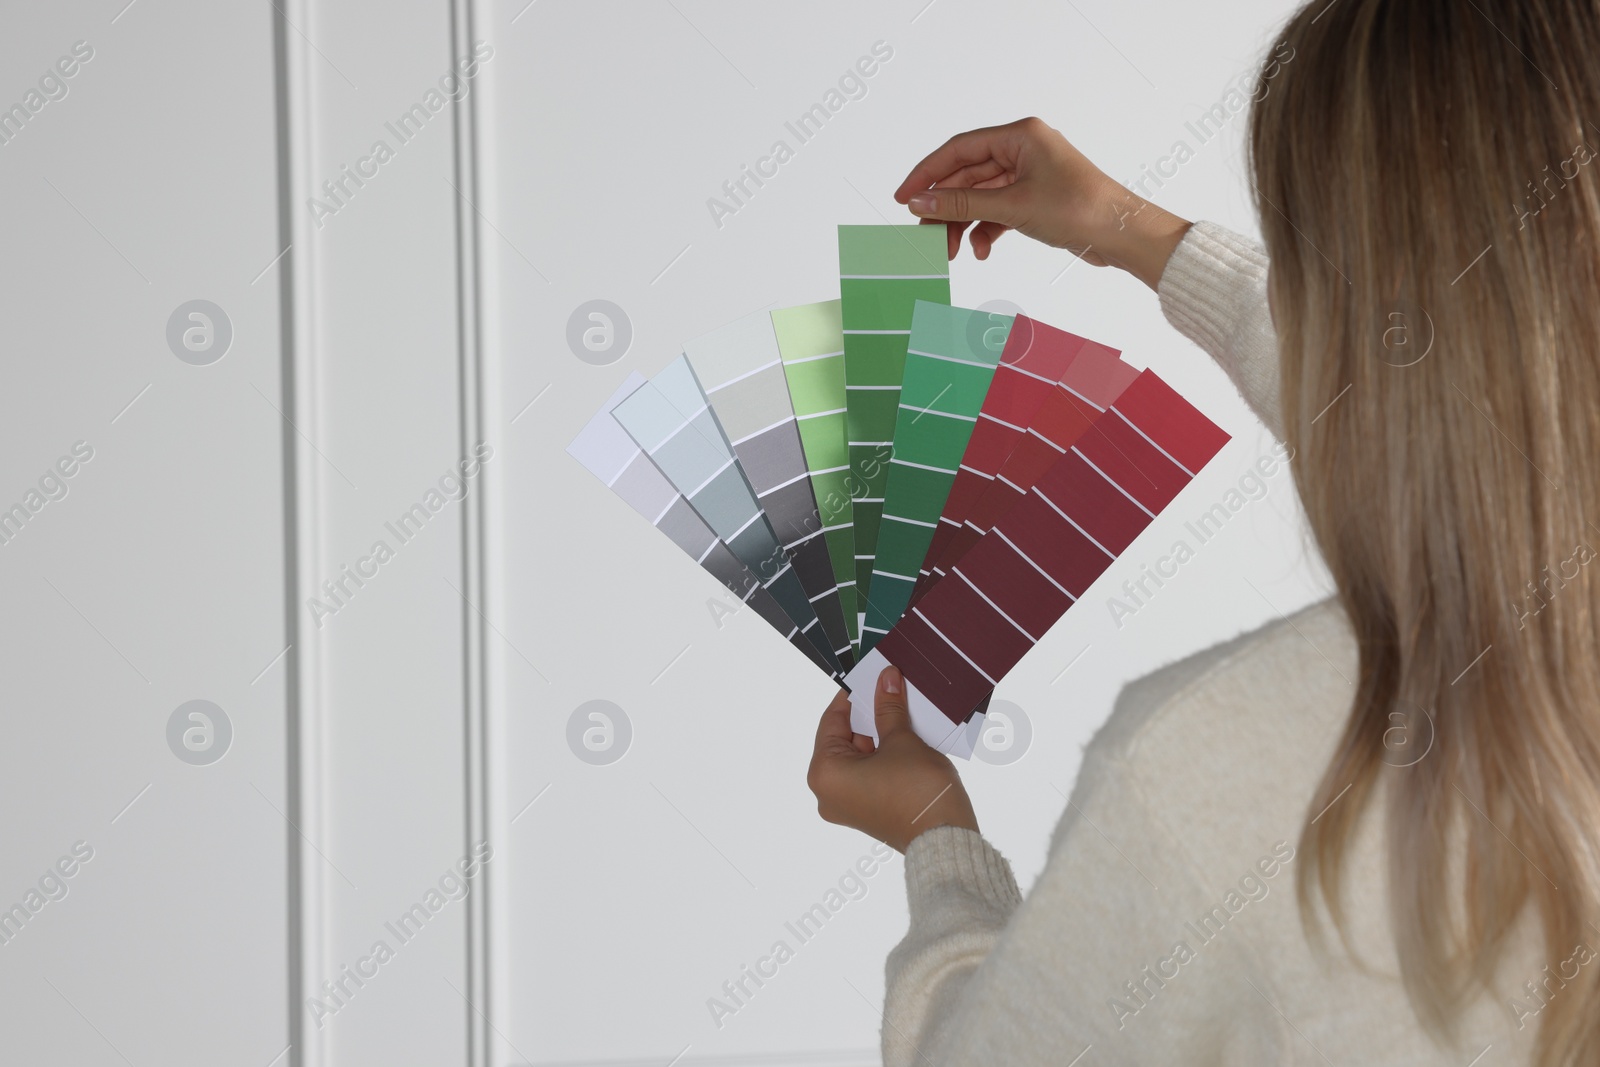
(1420, 756)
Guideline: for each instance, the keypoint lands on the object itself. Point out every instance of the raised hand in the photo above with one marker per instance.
(1025, 176)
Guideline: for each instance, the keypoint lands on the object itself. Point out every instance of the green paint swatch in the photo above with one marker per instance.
(951, 358)
(811, 343)
(883, 272)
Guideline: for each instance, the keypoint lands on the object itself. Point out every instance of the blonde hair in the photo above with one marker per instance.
(1426, 179)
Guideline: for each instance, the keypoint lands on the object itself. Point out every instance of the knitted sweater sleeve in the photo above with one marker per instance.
(1214, 290)
(1093, 957)
(984, 975)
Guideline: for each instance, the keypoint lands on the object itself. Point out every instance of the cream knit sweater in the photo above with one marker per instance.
(1164, 928)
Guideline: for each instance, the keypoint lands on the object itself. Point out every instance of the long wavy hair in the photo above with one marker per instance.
(1426, 177)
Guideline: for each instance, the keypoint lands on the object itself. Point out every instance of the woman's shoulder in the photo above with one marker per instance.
(1230, 742)
(1292, 676)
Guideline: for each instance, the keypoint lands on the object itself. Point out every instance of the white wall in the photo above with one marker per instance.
(159, 577)
(182, 560)
(383, 353)
(639, 887)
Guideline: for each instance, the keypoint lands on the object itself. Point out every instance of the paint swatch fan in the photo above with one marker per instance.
(888, 479)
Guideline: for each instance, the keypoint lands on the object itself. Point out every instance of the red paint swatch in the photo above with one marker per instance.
(1045, 551)
(1090, 385)
(1037, 357)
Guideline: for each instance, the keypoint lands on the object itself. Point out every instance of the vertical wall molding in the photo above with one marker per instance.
(300, 82)
(478, 807)
(306, 740)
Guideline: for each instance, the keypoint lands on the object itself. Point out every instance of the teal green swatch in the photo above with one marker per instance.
(951, 358)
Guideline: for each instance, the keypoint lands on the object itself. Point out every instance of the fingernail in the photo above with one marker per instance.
(923, 203)
(890, 681)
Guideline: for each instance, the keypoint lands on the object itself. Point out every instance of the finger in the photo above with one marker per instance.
(962, 150)
(1000, 181)
(953, 232)
(863, 744)
(889, 704)
(966, 205)
(984, 235)
(972, 175)
(986, 175)
(833, 731)
(952, 236)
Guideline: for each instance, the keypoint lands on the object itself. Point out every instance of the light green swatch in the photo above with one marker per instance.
(811, 343)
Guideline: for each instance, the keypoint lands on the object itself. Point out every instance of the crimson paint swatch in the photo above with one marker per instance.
(1019, 578)
(1035, 359)
(1091, 383)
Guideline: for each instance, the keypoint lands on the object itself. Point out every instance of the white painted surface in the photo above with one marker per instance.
(163, 574)
(158, 578)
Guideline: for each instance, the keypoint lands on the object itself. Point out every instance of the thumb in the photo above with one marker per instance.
(966, 205)
(889, 704)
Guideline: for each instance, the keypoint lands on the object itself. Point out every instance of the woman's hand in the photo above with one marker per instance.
(895, 792)
(1025, 176)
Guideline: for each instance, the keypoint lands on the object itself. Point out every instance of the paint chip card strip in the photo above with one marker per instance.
(1089, 385)
(811, 343)
(670, 417)
(1035, 359)
(741, 370)
(883, 272)
(950, 361)
(1024, 574)
(606, 451)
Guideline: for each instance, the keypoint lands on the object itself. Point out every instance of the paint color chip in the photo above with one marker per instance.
(973, 627)
(740, 367)
(606, 451)
(670, 418)
(950, 362)
(883, 272)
